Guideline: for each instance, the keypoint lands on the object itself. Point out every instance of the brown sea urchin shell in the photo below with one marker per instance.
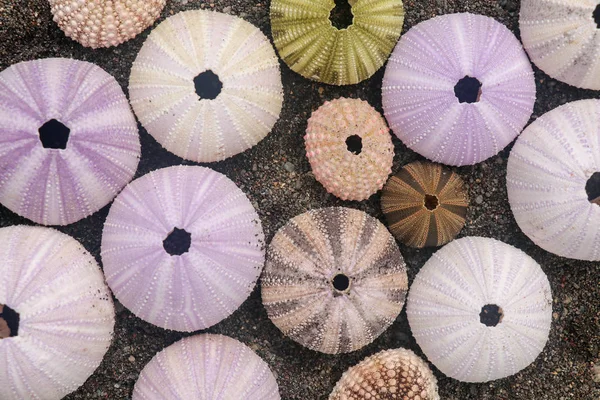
(425, 204)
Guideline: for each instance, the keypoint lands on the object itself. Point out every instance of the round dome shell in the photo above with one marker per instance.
(425, 204)
(553, 180)
(56, 314)
(334, 279)
(310, 45)
(182, 247)
(206, 85)
(458, 101)
(102, 23)
(206, 367)
(68, 140)
(349, 148)
(562, 37)
(389, 374)
(480, 309)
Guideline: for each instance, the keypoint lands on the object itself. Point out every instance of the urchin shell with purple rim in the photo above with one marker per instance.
(68, 140)
(433, 63)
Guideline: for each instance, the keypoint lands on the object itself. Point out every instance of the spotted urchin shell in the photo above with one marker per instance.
(349, 148)
(63, 182)
(480, 309)
(441, 58)
(334, 279)
(104, 23)
(206, 367)
(553, 180)
(66, 314)
(425, 204)
(389, 374)
(146, 261)
(182, 51)
(310, 45)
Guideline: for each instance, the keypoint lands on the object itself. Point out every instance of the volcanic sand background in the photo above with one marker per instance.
(277, 178)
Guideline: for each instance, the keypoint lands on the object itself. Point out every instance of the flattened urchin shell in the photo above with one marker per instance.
(333, 246)
(163, 91)
(66, 313)
(562, 38)
(419, 97)
(146, 261)
(425, 204)
(104, 23)
(310, 45)
(547, 180)
(350, 173)
(448, 315)
(389, 374)
(53, 185)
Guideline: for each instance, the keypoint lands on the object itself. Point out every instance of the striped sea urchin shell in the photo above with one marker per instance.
(104, 23)
(458, 88)
(349, 148)
(206, 85)
(62, 314)
(563, 39)
(182, 247)
(334, 279)
(206, 367)
(311, 46)
(480, 309)
(553, 180)
(425, 204)
(68, 140)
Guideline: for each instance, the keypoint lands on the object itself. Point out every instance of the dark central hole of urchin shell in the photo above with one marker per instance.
(592, 188)
(468, 90)
(12, 318)
(596, 15)
(490, 315)
(431, 202)
(178, 242)
(341, 282)
(341, 15)
(208, 85)
(354, 144)
(54, 135)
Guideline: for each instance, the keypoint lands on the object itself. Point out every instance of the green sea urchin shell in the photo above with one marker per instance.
(310, 45)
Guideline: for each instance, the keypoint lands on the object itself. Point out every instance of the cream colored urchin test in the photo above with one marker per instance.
(206, 85)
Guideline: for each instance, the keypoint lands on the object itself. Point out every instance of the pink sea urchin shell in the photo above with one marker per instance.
(182, 247)
(68, 140)
(206, 367)
(458, 88)
(65, 314)
(349, 148)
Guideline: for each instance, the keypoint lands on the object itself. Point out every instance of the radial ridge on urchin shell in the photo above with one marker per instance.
(480, 309)
(206, 85)
(334, 279)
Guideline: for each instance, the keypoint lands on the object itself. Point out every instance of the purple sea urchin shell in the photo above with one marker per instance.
(206, 367)
(65, 314)
(458, 88)
(182, 247)
(68, 140)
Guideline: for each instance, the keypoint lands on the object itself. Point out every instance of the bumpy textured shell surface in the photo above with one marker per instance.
(55, 186)
(547, 173)
(104, 23)
(66, 314)
(308, 42)
(419, 97)
(425, 204)
(197, 288)
(389, 374)
(163, 91)
(349, 175)
(563, 40)
(448, 296)
(298, 281)
(206, 367)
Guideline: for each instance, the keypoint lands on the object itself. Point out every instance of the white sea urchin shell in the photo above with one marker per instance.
(480, 309)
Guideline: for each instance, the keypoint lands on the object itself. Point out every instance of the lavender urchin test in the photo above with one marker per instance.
(182, 247)
(68, 140)
(458, 88)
